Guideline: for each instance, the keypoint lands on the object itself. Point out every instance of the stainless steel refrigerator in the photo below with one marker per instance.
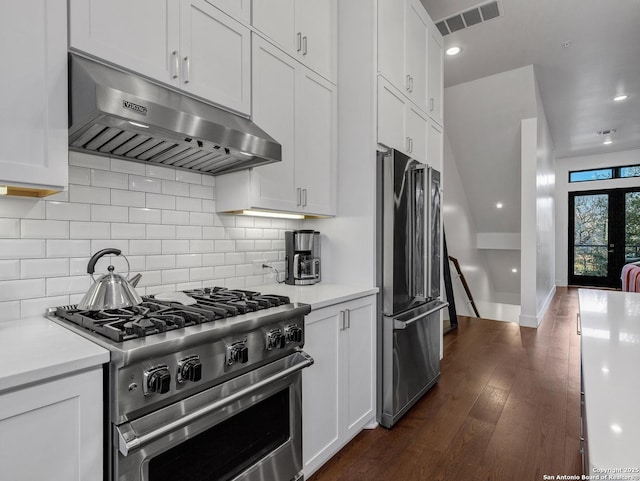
(408, 271)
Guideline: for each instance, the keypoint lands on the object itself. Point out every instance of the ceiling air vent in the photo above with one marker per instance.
(468, 18)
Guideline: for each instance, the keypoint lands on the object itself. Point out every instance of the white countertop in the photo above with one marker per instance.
(610, 343)
(35, 349)
(318, 295)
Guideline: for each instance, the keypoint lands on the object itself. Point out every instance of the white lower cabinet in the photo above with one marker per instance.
(53, 430)
(338, 390)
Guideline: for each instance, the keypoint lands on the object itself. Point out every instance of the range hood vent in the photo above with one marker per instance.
(119, 114)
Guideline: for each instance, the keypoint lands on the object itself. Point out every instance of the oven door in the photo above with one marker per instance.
(248, 428)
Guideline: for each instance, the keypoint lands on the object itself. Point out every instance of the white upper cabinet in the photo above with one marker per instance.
(306, 29)
(33, 95)
(402, 47)
(435, 76)
(189, 44)
(238, 9)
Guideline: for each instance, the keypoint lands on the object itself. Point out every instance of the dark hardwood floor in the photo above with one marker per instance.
(506, 408)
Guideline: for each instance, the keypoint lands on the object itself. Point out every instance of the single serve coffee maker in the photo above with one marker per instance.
(302, 249)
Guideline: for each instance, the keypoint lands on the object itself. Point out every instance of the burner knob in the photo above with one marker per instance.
(275, 339)
(293, 333)
(189, 369)
(237, 352)
(157, 380)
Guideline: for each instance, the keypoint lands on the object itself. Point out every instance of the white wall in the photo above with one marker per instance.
(161, 218)
(562, 189)
(461, 232)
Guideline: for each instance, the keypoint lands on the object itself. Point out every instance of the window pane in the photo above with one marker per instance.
(632, 227)
(591, 237)
(586, 175)
(633, 171)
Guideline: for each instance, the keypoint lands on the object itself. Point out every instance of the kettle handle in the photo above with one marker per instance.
(92, 262)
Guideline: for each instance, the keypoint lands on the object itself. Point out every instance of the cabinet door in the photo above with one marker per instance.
(320, 401)
(435, 146)
(315, 25)
(391, 117)
(435, 78)
(238, 9)
(417, 36)
(391, 40)
(417, 124)
(276, 19)
(215, 56)
(33, 94)
(274, 87)
(315, 143)
(140, 35)
(358, 361)
(53, 430)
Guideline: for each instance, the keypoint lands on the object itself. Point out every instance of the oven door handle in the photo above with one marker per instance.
(128, 441)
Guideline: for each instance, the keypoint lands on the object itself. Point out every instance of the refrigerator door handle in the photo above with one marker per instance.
(397, 324)
(417, 232)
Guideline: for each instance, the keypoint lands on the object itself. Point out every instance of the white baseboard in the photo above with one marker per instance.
(534, 321)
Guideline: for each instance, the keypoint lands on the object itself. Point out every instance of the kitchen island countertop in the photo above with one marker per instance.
(317, 295)
(36, 349)
(610, 351)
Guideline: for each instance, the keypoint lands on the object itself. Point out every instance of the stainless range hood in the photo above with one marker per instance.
(119, 114)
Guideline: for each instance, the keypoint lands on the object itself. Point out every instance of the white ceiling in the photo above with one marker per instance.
(576, 83)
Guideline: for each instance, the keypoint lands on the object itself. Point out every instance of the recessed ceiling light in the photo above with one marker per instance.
(514, 270)
(608, 142)
(499, 205)
(620, 98)
(453, 51)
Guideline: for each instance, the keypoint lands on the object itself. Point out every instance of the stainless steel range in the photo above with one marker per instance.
(207, 391)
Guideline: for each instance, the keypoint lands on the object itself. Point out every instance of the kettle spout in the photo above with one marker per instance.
(135, 279)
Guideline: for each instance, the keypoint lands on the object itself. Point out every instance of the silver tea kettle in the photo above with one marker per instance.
(111, 291)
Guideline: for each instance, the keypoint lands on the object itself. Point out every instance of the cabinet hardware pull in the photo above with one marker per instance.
(431, 104)
(298, 196)
(408, 83)
(343, 323)
(299, 42)
(411, 144)
(304, 45)
(187, 70)
(407, 145)
(175, 64)
(304, 197)
(348, 315)
(411, 83)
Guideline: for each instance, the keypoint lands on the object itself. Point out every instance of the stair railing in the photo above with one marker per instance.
(456, 264)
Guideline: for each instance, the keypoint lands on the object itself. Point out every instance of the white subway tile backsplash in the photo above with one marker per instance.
(58, 286)
(213, 259)
(253, 256)
(189, 260)
(38, 307)
(128, 198)
(145, 247)
(81, 159)
(277, 245)
(189, 177)
(161, 262)
(175, 275)
(10, 311)
(99, 244)
(200, 218)
(201, 273)
(224, 246)
(90, 230)
(22, 248)
(278, 223)
(272, 256)
(150, 278)
(244, 221)
(113, 180)
(227, 220)
(175, 246)
(68, 248)
(213, 233)
(234, 258)
(236, 232)
(22, 207)
(89, 195)
(201, 191)
(175, 217)
(79, 175)
(9, 270)
(175, 188)
(144, 215)
(160, 172)
(37, 268)
(254, 280)
(10, 228)
(201, 246)
(67, 211)
(253, 233)
(236, 283)
(262, 222)
(189, 204)
(127, 167)
(271, 234)
(188, 232)
(208, 206)
(161, 201)
(155, 289)
(220, 272)
(158, 231)
(245, 245)
(128, 231)
(184, 286)
(109, 213)
(244, 270)
(209, 180)
(21, 289)
(145, 184)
